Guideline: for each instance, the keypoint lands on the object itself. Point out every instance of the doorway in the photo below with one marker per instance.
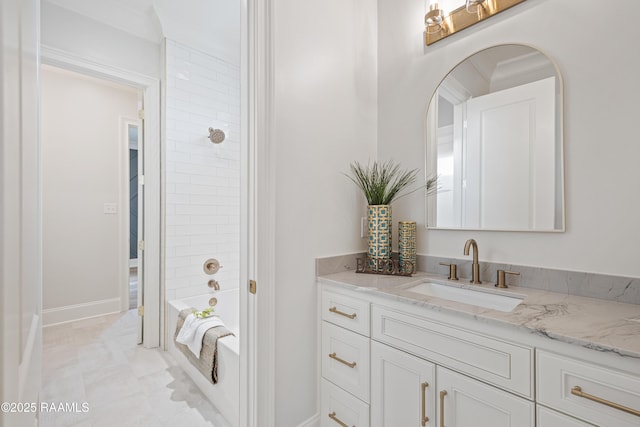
(147, 104)
(84, 211)
(151, 88)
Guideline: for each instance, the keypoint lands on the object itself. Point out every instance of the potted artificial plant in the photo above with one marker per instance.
(381, 184)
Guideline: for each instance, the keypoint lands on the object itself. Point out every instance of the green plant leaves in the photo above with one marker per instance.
(383, 183)
(204, 313)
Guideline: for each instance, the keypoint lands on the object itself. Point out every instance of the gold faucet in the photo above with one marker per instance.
(475, 272)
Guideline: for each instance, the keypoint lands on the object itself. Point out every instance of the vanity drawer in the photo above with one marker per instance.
(497, 362)
(345, 311)
(345, 360)
(338, 406)
(549, 418)
(557, 379)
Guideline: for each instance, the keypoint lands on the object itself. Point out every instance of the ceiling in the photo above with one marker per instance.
(212, 26)
(490, 59)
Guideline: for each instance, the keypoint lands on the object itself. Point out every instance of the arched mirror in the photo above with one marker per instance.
(494, 139)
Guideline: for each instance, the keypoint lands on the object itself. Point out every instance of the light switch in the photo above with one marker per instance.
(110, 208)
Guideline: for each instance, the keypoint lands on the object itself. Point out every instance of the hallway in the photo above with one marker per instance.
(97, 361)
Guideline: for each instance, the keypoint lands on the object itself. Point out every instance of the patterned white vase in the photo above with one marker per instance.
(379, 233)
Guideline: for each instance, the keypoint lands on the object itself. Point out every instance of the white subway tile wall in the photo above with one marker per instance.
(202, 178)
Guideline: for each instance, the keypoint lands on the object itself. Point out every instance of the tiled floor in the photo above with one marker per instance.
(97, 361)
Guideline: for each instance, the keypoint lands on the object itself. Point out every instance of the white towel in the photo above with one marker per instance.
(193, 331)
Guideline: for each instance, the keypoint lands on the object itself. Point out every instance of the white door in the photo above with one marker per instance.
(134, 136)
(140, 225)
(464, 402)
(20, 216)
(403, 389)
(510, 141)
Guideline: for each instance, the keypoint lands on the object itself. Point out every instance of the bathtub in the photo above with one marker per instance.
(225, 394)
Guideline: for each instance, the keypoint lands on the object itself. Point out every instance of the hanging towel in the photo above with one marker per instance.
(193, 331)
(207, 362)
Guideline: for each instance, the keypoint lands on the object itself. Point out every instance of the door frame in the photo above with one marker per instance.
(153, 233)
(257, 235)
(20, 212)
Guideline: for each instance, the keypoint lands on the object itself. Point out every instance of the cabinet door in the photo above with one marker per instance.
(402, 389)
(465, 402)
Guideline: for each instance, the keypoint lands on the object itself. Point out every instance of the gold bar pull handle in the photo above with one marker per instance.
(425, 419)
(342, 313)
(443, 393)
(336, 419)
(344, 362)
(577, 391)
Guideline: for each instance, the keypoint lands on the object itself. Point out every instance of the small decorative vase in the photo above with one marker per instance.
(407, 246)
(379, 234)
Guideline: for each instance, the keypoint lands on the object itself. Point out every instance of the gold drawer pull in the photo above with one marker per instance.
(351, 365)
(336, 419)
(443, 393)
(425, 419)
(577, 391)
(341, 313)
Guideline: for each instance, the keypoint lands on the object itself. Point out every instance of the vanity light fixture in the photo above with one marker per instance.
(439, 25)
(433, 19)
(472, 6)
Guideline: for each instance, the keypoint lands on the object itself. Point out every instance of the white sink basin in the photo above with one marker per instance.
(501, 301)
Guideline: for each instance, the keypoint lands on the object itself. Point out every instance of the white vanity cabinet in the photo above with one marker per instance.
(390, 363)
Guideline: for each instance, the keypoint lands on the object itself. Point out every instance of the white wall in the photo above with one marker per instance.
(211, 26)
(600, 105)
(324, 117)
(85, 37)
(83, 152)
(202, 178)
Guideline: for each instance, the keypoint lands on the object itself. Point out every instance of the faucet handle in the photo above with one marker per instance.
(501, 281)
(453, 270)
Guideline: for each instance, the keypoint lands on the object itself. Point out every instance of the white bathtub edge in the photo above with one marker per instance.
(228, 371)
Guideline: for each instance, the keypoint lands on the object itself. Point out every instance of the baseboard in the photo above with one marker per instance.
(311, 422)
(70, 313)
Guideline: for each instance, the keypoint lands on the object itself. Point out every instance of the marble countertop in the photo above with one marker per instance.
(601, 325)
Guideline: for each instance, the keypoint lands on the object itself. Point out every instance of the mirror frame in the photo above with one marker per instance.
(430, 126)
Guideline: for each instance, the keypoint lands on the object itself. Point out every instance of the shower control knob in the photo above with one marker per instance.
(211, 266)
